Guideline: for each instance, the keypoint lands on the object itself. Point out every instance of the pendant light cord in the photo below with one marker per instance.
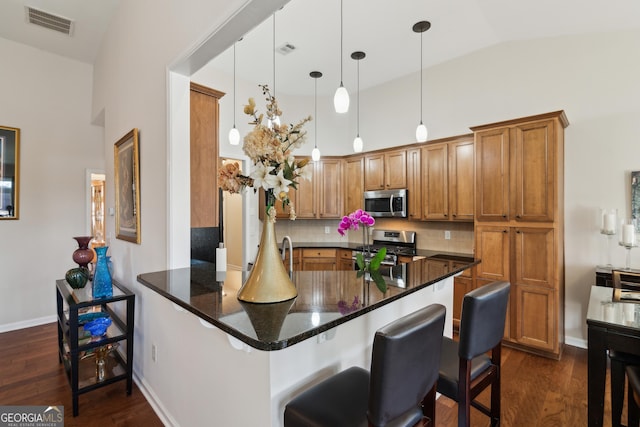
(341, 40)
(358, 101)
(421, 95)
(315, 113)
(234, 85)
(274, 55)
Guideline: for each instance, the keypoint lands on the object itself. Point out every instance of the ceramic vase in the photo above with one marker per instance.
(102, 285)
(83, 255)
(268, 280)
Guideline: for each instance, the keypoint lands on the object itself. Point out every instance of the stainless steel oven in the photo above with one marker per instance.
(386, 203)
(397, 242)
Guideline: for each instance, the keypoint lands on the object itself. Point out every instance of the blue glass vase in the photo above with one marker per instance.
(102, 286)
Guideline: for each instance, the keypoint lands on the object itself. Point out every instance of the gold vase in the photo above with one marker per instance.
(268, 281)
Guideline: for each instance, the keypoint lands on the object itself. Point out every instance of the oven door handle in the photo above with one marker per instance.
(391, 205)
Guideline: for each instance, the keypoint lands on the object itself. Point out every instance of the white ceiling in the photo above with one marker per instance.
(381, 29)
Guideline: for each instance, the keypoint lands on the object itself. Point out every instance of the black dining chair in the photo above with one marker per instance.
(623, 280)
(633, 373)
(404, 368)
(465, 367)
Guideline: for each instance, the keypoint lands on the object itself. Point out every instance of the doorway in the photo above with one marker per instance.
(232, 217)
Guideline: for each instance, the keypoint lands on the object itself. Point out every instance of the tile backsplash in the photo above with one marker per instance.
(429, 235)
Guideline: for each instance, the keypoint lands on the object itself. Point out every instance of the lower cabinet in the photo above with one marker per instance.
(319, 259)
(462, 285)
(345, 262)
(535, 311)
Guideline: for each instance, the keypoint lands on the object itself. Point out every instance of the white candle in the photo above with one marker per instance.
(609, 223)
(628, 235)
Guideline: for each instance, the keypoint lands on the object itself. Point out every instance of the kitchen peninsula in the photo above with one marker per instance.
(264, 354)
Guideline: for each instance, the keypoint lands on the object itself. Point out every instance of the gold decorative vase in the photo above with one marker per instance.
(268, 280)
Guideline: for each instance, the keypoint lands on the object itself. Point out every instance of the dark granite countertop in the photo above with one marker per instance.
(325, 299)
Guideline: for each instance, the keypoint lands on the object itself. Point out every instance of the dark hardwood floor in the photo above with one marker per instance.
(31, 375)
(535, 391)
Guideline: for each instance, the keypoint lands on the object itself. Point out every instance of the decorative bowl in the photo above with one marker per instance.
(77, 277)
(98, 327)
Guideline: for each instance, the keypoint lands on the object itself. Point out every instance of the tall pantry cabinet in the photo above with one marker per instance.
(519, 224)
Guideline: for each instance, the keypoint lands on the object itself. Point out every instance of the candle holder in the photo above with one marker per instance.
(628, 238)
(608, 227)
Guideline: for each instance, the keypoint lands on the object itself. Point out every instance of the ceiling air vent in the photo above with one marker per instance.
(47, 20)
(286, 48)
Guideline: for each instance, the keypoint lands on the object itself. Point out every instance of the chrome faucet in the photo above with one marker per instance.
(285, 239)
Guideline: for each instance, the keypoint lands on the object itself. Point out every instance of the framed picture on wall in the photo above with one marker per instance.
(127, 184)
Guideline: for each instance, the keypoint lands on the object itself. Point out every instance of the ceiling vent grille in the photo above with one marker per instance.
(47, 20)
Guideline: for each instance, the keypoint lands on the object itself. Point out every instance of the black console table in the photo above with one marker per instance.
(77, 349)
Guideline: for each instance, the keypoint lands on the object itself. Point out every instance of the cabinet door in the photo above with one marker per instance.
(395, 169)
(329, 175)
(204, 116)
(492, 247)
(461, 287)
(281, 212)
(461, 184)
(535, 316)
(353, 172)
(534, 257)
(374, 172)
(432, 269)
(435, 178)
(535, 181)
(319, 260)
(306, 196)
(492, 174)
(414, 184)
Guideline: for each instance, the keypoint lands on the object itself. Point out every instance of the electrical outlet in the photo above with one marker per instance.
(154, 352)
(447, 235)
(327, 230)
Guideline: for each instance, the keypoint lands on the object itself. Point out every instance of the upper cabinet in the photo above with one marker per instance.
(385, 170)
(204, 112)
(353, 189)
(414, 186)
(446, 189)
(517, 165)
(321, 197)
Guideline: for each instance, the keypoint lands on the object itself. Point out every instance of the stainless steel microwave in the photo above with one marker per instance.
(386, 203)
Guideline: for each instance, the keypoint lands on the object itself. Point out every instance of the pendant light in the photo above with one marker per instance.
(276, 118)
(315, 154)
(357, 142)
(234, 135)
(421, 130)
(341, 98)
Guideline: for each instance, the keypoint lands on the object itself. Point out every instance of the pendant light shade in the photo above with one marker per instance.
(341, 98)
(421, 130)
(358, 144)
(234, 135)
(315, 154)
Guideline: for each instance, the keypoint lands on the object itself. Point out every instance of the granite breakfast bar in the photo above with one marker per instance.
(267, 353)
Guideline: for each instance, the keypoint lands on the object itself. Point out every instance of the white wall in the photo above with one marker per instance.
(49, 98)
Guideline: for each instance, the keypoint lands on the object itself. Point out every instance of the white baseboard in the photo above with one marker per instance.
(28, 323)
(576, 342)
(155, 403)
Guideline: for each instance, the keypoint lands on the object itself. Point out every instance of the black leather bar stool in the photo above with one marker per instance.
(633, 373)
(465, 368)
(404, 369)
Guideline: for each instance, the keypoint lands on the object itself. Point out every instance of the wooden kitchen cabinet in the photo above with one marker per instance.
(462, 285)
(353, 190)
(414, 185)
(519, 225)
(448, 180)
(204, 116)
(281, 212)
(319, 259)
(296, 259)
(345, 261)
(320, 197)
(519, 171)
(385, 170)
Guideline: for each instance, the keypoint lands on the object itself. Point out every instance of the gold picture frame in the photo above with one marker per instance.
(127, 183)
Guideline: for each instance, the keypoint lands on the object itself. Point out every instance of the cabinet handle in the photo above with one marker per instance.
(518, 216)
(504, 231)
(517, 231)
(445, 215)
(504, 215)
(454, 215)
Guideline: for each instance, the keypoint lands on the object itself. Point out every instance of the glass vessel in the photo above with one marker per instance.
(102, 285)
